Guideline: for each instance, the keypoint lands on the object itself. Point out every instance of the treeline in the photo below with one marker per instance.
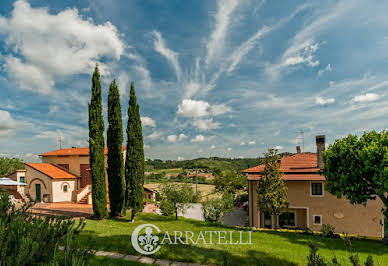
(214, 164)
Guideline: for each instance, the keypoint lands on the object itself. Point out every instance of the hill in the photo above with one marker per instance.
(214, 164)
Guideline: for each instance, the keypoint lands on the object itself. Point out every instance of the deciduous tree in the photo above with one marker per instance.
(357, 168)
(272, 192)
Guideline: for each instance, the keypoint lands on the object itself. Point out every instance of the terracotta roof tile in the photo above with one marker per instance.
(72, 151)
(52, 170)
(294, 177)
(302, 166)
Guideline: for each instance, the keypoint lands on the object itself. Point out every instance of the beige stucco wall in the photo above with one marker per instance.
(73, 161)
(345, 217)
(34, 177)
(58, 194)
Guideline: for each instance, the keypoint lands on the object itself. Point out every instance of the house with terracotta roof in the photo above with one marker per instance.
(63, 175)
(310, 206)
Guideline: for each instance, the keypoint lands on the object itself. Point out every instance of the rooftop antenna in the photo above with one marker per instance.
(60, 142)
(302, 133)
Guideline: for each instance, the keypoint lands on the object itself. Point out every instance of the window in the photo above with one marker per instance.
(65, 188)
(317, 219)
(22, 179)
(316, 189)
(287, 219)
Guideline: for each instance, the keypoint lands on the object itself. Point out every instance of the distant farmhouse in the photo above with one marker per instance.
(63, 176)
(309, 204)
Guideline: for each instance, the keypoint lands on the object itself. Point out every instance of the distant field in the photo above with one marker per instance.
(165, 171)
(206, 190)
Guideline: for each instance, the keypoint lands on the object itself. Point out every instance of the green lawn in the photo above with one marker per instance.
(268, 247)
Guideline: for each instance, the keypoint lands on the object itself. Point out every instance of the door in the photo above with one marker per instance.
(85, 175)
(267, 220)
(37, 190)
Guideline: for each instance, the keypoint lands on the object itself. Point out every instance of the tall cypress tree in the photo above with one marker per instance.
(96, 149)
(134, 163)
(116, 182)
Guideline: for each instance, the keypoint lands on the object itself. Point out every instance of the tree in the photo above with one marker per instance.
(358, 168)
(134, 163)
(10, 165)
(229, 181)
(96, 149)
(214, 209)
(116, 182)
(272, 193)
(176, 197)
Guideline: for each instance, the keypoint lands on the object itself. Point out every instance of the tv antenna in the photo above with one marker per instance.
(60, 142)
(302, 133)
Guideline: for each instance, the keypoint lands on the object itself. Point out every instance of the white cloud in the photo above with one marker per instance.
(170, 55)
(229, 149)
(198, 138)
(53, 108)
(180, 158)
(369, 97)
(326, 69)
(182, 137)
(7, 123)
(323, 101)
(212, 147)
(205, 124)
(147, 121)
(175, 138)
(220, 30)
(55, 45)
(306, 55)
(219, 109)
(242, 143)
(279, 147)
(172, 138)
(145, 146)
(252, 142)
(154, 135)
(193, 108)
(122, 83)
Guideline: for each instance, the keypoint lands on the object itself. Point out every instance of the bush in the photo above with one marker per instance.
(30, 240)
(167, 208)
(214, 209)
(328, 231)
(243, 197)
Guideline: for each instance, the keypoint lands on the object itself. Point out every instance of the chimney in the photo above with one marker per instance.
(298, 149)
(320, 140)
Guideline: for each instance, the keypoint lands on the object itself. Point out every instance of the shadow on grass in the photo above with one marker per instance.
(368, 246)
(186, 253)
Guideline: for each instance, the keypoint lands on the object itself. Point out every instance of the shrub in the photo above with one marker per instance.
(214, 209)
(313, 258)
(328, 231)
(167, 208)
(30, 240)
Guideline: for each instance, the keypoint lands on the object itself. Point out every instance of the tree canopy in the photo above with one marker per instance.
(10, 165)
(272, 192)
(116, 182)
(96, 149)
(357, 168)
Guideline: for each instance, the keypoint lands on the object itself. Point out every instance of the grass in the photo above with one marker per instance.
(166, 171)
(268, 247)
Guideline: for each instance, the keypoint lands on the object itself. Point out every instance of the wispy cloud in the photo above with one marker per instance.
(223, 19)
(170, 55)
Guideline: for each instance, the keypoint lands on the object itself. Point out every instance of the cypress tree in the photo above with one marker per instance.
(134, 163)
(96, 149)
(116, 183)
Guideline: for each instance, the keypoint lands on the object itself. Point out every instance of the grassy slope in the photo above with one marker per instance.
(269, 248)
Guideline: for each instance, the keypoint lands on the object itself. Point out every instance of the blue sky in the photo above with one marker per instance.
(213, 78)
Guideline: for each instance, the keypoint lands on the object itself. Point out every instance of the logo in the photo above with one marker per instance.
(146, 243)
